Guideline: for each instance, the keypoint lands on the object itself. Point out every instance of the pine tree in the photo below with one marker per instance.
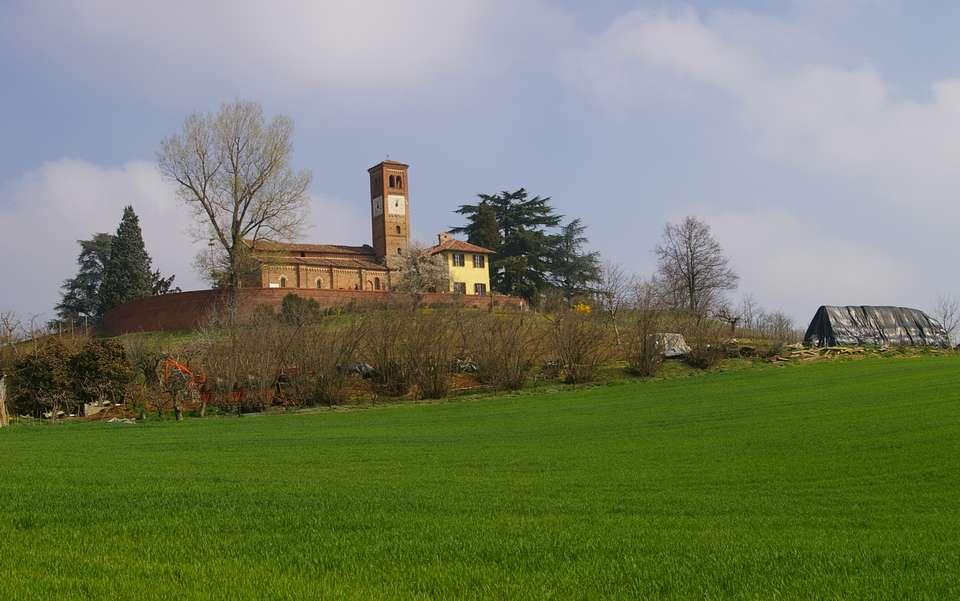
(127, 275)
(80, 295)
(574, 271)
(522, 243)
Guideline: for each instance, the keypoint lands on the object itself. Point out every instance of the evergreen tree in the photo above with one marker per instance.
(127, 275)
(522, 243)
(574, 271)
(80, 295)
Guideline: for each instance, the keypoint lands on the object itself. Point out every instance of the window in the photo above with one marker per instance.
(376, 283)
(283, 281)
(480, 289)
(319, 282)
(398, 230)
(479, 261)
(458, 260)
(399, 181)
(393, 181)
(459, 288)
(399, 251)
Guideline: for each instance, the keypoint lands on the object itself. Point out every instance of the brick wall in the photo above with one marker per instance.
(187, 310)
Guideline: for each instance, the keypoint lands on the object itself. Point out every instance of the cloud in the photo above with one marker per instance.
(363, 50)
(45, 211)
(885, 162)
(777, 262)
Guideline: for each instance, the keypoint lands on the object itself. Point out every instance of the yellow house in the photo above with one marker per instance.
(468, 265)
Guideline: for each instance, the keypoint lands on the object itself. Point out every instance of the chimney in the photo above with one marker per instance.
(444, 237)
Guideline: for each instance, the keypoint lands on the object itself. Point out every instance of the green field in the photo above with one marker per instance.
(831, 480)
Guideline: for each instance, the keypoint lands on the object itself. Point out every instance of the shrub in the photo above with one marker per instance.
(386, 348)
(298, 311)
(325, 356)
(503, 347)
(41, 379)
(101, 371)
(581, 343)
(432, 351)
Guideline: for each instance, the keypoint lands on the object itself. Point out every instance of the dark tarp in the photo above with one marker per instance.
(863, 325)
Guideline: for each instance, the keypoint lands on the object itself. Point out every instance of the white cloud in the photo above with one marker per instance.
(44, 212)
(773, 253)
(890, 162)
(360, 51)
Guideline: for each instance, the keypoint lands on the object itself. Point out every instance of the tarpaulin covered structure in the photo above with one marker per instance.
(865, 325)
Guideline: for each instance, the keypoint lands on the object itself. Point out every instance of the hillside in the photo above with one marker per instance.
(823, 480)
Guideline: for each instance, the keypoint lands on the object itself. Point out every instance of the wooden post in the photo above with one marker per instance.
(3, 401)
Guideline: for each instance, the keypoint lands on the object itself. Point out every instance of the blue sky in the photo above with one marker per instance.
(818, 138)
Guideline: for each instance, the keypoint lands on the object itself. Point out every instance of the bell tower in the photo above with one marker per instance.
(390, 211)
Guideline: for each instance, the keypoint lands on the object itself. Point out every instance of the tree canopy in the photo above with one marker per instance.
(233, 170)
(533, 252)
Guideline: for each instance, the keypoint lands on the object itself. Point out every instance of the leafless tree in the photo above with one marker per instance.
(748, 310)
(233, 169)
(692, 267)
(422, 272)
(613, 293)
(947, 311)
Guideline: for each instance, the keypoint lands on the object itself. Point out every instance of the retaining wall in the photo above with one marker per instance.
(187, 310)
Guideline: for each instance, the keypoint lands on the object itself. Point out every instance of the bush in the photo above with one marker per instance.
(100, 371)
(41, 380)
(324, 359)
(705, 357)
(581, 344)
(432, 351)
(643, 353)
(298, 311)
(503, 347)
(386, 348)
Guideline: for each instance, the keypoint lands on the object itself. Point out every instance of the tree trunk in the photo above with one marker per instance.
(178, 412)
(3, 402)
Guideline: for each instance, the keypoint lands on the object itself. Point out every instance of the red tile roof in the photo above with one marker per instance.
(336, 262)
(333, 249)
(460, 245)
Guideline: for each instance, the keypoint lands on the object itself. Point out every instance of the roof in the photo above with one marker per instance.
(334, 249)
(336, 262)
(390, 163)
(459, 245)
(858, 325)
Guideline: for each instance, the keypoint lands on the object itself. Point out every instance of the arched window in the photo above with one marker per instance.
(283, 281)
(398, 229)
(399, 251)
(319, 282)
(399, 181)
(393, 182)
(376, 283)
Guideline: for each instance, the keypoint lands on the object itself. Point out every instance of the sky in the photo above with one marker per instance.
(820, 139)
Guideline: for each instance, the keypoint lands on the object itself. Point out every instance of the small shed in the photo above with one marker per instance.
(860, 325)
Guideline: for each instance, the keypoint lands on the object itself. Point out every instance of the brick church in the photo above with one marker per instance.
(370, 268)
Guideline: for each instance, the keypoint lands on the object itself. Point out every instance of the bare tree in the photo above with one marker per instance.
(233, 170)
(613, 293)
(692, 267)
(423, 272)
(947, 311)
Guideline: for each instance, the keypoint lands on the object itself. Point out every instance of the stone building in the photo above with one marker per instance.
(369, 268)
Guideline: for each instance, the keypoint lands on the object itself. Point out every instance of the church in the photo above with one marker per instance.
(369, 268)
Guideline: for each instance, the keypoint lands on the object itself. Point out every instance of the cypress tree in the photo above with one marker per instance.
(127, 275)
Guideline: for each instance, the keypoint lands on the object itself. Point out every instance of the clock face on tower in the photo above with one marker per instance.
(378, 206)
(396, 204)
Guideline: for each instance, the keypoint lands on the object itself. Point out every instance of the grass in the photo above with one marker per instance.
(831, 480)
